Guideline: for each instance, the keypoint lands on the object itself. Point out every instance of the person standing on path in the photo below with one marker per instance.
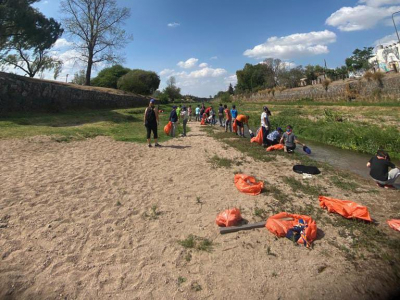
(198, 118)
(190, 113)
(178, 112)
(265, 124)
(234, 114)
(221, 115)
(173, 118)
(228, 118)
(202, 111)
(151, 122)
(185, 118)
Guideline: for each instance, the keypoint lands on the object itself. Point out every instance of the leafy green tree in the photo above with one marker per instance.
(291, 78)
(139, 82)
(312, 72)
(32, 62)
(359, 60)
(172, 91)
(79, 78)
(21, 25)
(230, 89)
(109, 77)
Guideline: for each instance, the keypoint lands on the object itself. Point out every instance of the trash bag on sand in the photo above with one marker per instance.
(275, 147)
(258, 138)
(394, 224)
(248, 184)
(302, 229)
(345, 208)
(167, 128)
(230, 217)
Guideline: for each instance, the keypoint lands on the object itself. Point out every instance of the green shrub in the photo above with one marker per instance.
(139, 82)
(109, 77)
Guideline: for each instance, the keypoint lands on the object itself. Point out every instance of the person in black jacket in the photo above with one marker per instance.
(173, 117)
(151, 122)
(379, 166)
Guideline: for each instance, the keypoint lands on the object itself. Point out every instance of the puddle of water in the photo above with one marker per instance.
(353, 161)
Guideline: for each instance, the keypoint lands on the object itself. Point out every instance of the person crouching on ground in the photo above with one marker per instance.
(151, 122)
(290, 140)
(228, 118)
(379, 166)
(274, 137)
(265, 124)
(184, 118)
(173, 118)
(242, 120)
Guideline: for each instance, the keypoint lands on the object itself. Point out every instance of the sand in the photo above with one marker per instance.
(77, 224)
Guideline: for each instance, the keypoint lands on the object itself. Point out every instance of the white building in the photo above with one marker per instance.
(387, 58)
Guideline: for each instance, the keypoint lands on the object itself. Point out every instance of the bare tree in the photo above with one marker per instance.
(96, 25)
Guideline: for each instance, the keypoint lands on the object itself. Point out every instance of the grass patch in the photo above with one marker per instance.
(298, 186)
(259, 213)
(181, 280)
(344, 183)
(196, 287)
(153, 214)
(198, 243)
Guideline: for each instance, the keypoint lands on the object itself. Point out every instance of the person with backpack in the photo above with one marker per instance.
(173, 118)
(151, 122)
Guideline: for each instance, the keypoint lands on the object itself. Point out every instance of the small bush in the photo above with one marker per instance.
(326, 83)
(369, 76)
(198, 243)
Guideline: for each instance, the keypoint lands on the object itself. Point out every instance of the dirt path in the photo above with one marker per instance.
(75, 227)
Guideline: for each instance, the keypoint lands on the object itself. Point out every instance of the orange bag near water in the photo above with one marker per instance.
(248, 185)
(167, 128)
(275, 147)
(281, 223)
(235, 129)
(229, 218)
(347, 209)
(259, 138)
(394, 224)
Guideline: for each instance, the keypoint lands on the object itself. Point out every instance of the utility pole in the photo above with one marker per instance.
(395, 27)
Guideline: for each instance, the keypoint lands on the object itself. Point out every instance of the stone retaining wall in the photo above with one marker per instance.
(22, 94)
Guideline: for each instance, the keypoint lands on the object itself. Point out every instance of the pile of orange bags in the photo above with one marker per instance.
(280, 224)
(394, 224)
(167, 128)
(230, 217)
(259, 138)
(347, 209)
(248, 184)
(275, 147)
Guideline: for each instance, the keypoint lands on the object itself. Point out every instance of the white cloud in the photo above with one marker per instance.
(295, 45)
(190, 63)
(387, 40)
(214, 58)
(365, 16)
(174, 25)
(62, 43)
(166, 72)
(207, 72)
(203, 65)
(231, 79)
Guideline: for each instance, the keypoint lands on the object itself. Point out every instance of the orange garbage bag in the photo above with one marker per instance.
(275, 147)
(347, 209)
(248, 185)
(283, 222)
(259, 138)
(167, 128)
(394, 224)
(230, 217)
(235, 129)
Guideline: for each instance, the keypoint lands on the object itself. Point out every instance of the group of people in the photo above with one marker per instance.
(383, 171)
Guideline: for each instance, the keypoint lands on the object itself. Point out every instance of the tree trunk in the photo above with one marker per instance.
(89, 69)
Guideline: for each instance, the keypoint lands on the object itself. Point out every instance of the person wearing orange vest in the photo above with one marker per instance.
(241, 120)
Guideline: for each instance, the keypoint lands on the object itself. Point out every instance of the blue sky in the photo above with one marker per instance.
(214, 38)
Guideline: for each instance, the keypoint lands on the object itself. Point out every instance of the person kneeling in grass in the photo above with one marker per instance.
(242, 120)
(274, 137)
(379, 166)
(290, 140)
